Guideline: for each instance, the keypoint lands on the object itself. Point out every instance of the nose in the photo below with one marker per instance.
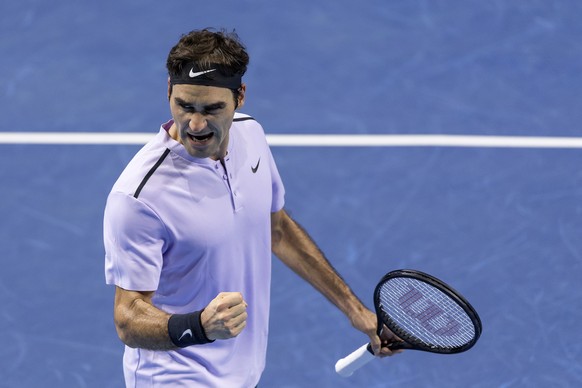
(197, 122)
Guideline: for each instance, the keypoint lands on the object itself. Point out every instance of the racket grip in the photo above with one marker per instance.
(346, 366)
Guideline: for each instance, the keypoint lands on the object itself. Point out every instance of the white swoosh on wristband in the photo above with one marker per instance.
(188, 331)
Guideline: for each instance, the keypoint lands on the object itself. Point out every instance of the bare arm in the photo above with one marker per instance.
(296, 249)
(140, 324)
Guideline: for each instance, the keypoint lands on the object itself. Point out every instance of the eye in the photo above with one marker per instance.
(212, 111)
(187, 108)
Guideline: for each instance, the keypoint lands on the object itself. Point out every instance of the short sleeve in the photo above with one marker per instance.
(134, 242)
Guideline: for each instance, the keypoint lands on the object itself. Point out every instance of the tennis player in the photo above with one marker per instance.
(189, 228)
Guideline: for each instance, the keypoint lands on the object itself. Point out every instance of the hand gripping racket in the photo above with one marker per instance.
(424, 312)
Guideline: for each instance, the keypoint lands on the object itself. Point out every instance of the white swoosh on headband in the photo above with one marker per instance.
(194, 75)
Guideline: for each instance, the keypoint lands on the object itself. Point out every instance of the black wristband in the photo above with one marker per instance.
(186, 329)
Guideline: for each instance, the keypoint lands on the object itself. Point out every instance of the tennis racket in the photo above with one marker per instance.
(424, 312)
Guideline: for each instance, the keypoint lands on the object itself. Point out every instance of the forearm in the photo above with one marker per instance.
(298, 251)
(140, 324)
(293, 246)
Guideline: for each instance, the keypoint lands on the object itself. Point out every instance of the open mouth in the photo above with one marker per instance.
(201, 138)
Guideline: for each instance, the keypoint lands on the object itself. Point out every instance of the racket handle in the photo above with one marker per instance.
(346, 366)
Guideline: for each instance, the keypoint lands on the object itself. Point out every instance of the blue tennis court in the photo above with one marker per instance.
(501, 224)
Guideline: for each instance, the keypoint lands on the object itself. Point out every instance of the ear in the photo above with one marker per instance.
(169, 89)
(241, 95)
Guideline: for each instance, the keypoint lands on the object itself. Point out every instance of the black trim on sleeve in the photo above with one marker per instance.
(151, 172)
(243, 119)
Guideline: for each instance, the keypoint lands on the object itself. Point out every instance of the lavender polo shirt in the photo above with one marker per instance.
(188, 229)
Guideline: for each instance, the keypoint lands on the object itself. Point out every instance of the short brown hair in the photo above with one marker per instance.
(205, 47)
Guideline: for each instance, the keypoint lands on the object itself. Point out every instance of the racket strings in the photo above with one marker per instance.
(425, 315)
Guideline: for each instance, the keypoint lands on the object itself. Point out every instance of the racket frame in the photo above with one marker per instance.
(384, 319)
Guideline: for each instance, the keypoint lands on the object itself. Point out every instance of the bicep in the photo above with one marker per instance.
(278, 230)
(290, 243)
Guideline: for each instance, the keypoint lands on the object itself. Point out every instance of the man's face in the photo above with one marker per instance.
(202, 118)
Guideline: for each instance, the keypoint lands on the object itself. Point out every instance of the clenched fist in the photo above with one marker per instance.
(225, 316)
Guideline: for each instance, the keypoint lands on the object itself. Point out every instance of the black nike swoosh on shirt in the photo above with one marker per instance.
(254, 169)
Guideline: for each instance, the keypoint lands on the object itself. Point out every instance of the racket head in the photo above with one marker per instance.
(426, 313)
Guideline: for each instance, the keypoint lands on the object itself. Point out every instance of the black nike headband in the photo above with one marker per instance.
(209, 76)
